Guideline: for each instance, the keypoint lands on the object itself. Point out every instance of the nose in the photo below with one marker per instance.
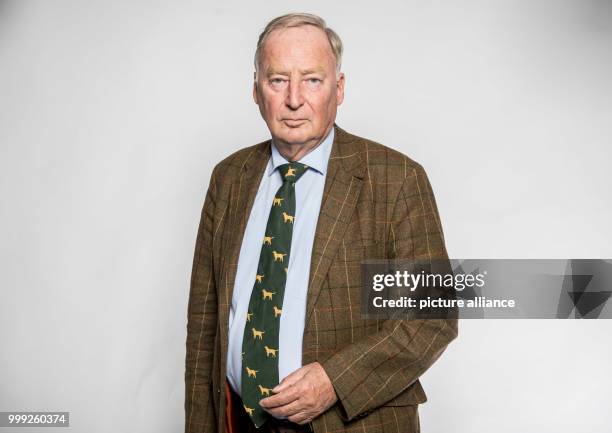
(294, 98)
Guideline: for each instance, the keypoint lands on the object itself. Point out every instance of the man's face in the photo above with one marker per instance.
(296, 88)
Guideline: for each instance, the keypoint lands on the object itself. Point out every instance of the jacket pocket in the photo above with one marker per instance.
(346, 267)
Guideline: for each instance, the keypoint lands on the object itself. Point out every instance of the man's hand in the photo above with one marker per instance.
(302, 396)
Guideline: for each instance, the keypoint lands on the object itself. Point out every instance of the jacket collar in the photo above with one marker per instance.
(345, 153)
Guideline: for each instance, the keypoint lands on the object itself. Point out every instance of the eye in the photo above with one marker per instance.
(314, 80)
(277, 82)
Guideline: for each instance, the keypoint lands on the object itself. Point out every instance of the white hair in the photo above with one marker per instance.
(298, 20)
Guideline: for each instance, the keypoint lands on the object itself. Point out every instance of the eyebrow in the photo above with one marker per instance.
(271, 72)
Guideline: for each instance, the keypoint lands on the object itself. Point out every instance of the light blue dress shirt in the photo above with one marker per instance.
(308, 196)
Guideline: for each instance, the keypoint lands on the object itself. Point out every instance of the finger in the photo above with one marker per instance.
(293, 408)
(282, 398)
(300, 418)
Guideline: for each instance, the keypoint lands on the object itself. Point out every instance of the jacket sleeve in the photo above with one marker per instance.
(201, 325)
(379, 367)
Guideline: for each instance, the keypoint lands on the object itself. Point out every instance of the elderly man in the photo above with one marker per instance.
(275, 337)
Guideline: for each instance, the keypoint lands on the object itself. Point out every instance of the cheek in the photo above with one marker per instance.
(324, 98)
(277, 101)
(321, 105)
(270, 99)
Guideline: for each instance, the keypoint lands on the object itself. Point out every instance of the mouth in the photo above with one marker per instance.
(294, 123)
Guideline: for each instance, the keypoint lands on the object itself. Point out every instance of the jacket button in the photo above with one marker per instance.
(219, 390)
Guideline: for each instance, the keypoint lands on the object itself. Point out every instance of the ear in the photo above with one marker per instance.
(340, 88)
(255, 97)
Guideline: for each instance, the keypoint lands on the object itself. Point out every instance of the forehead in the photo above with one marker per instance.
(304, 46)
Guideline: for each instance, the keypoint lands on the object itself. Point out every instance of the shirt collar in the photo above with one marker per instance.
(317, 158)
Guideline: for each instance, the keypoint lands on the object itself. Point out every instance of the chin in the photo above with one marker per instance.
(294, 135)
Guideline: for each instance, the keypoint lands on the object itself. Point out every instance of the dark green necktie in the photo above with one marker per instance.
(260, 340)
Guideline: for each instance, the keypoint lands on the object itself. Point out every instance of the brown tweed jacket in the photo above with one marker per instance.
(377, 203)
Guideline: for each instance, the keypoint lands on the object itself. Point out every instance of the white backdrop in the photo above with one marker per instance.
(113, 113)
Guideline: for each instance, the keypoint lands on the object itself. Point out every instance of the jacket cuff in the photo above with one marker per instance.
(345, 405)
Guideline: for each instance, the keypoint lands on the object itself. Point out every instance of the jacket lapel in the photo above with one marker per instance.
(242, 195)
(342, 186)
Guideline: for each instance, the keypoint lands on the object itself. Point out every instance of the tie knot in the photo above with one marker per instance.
(292, 171)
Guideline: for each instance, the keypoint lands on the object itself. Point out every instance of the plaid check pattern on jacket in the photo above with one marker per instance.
(377, 203)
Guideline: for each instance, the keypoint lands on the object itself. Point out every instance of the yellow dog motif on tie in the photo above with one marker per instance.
(277, 311)
(270, 351)
(248, 410)
(278, 257)
(268, 240)
(251, 372)
(264, 391)
(288, 218)
(290, 172)
(266, 294)
(277, 201)
(257, 334)
(249, 315)
(259, 278)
